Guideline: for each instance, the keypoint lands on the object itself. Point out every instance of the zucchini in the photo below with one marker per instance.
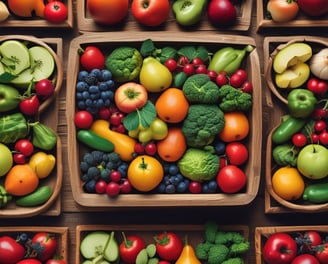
(38, 197)
(316, 193)
(94, 141)
(287, 129)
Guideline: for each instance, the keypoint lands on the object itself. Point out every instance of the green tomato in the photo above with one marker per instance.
(6, 159)
(9, 98)
(159, 129)
(188, 12)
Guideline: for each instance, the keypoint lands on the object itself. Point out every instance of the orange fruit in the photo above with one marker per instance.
(172, 106)
(236, 127)
(288, 183)
(21, 180)
(173, 146)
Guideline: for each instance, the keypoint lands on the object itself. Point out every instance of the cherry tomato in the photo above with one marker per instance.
(231, 179)
(113, 189)
(195, 187)
(48, 244)
(168, 246)
(238, 78)
(130, 248)
(92, 58)
(319, 113)
(305, 259)
(24, 146)
(221, 79)
(101, 186)
(212, 75)
(189, 69)
(183, 60)
(10, 250)
(319, 125)
(311, 239)
(279, 248)
(29, 106)
(19, 158)
(247, 87)
(55, 12)
(323, 138)
(44, 89)
(83, 119)
(56, 261)
(171, 64)
(322, 253)
(314, 138)
(299, 140)
(237, 153)
(150, 148)
(201, 69)
(29, 261)
(317, 86)
(197, 61)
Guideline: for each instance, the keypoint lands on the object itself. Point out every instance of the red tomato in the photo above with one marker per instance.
(221, 13)
(322, 253)
(92, 58)
(237, 153)
(56, 261)
(150, 13)
(29, 106)
(305, 259)
(10, 250)
(168, 246)
(108, 12)
(130, 248)
(83, 119)
(29, 261)
(299, 140)
(238, 78)
(317, 86)
(24, 146)
(282, 10)
(44, 89)
(311, 239)
(130, 96)
(47, 243)
(313, 7)
(55, 12)
(279, 248)
(231, 179)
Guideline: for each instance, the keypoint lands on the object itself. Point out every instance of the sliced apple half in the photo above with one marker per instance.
(291, 55)
(294, 76)
(15, 56)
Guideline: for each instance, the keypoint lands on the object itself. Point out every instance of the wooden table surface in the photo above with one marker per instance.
(252, 215)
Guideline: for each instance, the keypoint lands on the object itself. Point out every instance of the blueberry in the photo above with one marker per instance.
(106, 75)
(182, 187)
(90, 186)
(170, 188)
(173, 169)
(82, 75)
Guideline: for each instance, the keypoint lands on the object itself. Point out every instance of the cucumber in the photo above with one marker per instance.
(100, 243)
(316, 193)
(94, 141)
(38, 197)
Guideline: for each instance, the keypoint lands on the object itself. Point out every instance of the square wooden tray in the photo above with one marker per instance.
(49, 117)
(86, 23)
(301, 20)
(212, 42)
(262, 233)
(278, 107)
(35, 22)
(195, 233)
(61, 234)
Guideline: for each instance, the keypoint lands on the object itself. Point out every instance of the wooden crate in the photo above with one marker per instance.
(60, 233)
(262, 233)
(278, 107)
(264, 23)
(40, 23)
(86, 23)
(195, 233)
(89, 201)
(48, 114)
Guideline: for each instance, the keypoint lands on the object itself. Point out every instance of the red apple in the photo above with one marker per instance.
(130, 96)
(313, 7)
(221, 13)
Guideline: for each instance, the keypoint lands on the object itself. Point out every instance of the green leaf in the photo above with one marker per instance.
(202, 53)
(6, 77)
(147, 47)
(188, 51)
(144, 116)
(167, 53)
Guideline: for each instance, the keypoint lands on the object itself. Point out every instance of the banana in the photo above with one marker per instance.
(4, 12)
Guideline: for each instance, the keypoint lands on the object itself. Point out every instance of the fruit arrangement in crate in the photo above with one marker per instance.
(30, 158)
(37, 13)
(210, 243)
(297, 151)
(284, 14)
(153, 119)
(291, 244)
(33, 245)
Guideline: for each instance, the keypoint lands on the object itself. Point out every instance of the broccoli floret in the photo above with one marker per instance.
(202, 250)
(217, 254)
(233, 261)
(232, 99)
(240, 248)
(202, 124)
(199, 88)
(124, 63)
(221, 238)
(211, 229)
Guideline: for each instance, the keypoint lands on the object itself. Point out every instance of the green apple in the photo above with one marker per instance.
(294, 76)
(9, 98)
(312, 161)
(290, 55)
(15, 56)
(42, 67)
(6, 159)
(188, 12)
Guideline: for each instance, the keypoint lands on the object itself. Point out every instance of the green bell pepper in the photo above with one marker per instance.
(301, 103)
(188, 12)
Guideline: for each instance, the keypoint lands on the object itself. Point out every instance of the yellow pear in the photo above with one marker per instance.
(154, 76)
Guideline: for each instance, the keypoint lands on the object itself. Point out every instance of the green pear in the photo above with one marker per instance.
(291, 55)
(154, 76)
